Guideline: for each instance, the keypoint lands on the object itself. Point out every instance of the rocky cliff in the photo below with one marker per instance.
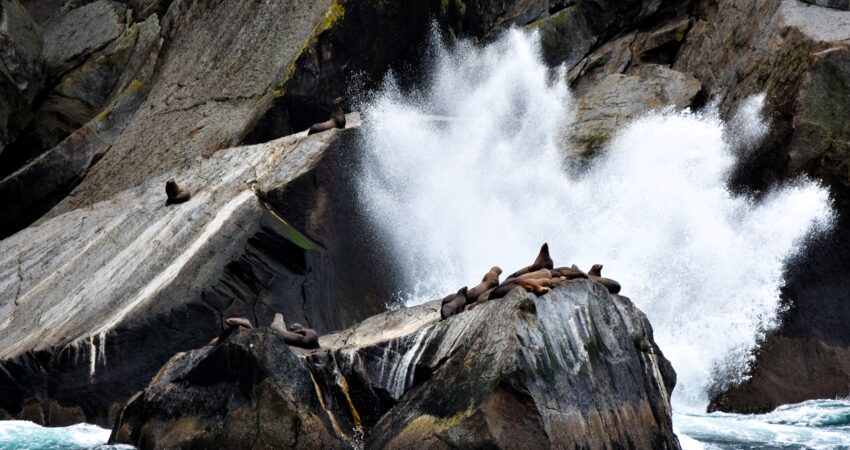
(575, 368)
(102, 101)
(95, 300)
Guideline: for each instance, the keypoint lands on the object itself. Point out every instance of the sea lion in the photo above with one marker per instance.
(176, 193)
(543, 261)
(239, 322)
(490, 281)
(595, 274)
(337, 119)
(296, 335)
(233, 324)
(453, 304)
(570, 273)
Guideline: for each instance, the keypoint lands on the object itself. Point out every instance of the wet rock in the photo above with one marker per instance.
(574, 368)
(619, 98)
(73, 36)
(21, 49)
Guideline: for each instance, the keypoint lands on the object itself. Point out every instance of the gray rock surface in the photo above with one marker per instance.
(221, 65)
(79, 32)
(132, 276)
(619, 98)
(575, 368)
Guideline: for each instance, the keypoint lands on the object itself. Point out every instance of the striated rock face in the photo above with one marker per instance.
(575, 368)
(92, 302)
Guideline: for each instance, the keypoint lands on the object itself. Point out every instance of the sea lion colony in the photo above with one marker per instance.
(538, 277)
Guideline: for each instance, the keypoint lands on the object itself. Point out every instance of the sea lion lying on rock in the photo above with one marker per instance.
(490, 281)
(538, 282)
(176, 193)
(543, 261)
(337, 119)
(570, 273)
(233, 324)
(453, 304)
(297, 335)
(595, 274)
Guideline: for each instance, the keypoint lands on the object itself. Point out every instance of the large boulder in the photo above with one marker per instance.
(575, 368)
(94, 301)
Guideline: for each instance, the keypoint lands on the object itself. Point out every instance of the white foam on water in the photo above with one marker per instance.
(21, 435)
(489, 185)
(815, 424)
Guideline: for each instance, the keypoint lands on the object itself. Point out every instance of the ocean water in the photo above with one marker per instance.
(815, 424)
(23, 435)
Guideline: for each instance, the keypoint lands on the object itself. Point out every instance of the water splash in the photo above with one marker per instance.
(488, 185)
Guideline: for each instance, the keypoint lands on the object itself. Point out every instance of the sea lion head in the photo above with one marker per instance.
(544, 261)
(338, 102)
(462, 291)
(596, 270)
(296, 327)
(496, 269)
(171, 188)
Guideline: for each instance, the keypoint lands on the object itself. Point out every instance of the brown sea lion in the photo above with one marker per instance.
(297, 335)
(570, 273)
(176, 193)
(537, 285)
(232, 325)
(490, 281)
(595, 274)
(543, 261)
(337, 119)
(453, 304)
(239, 322)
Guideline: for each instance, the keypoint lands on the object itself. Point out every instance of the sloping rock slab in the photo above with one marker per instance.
(575, 368)
(94, 301)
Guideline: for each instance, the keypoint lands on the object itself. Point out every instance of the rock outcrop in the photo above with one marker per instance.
(575, 368)
(129, 281)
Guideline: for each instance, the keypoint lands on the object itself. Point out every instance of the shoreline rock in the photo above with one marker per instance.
(574, 367)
